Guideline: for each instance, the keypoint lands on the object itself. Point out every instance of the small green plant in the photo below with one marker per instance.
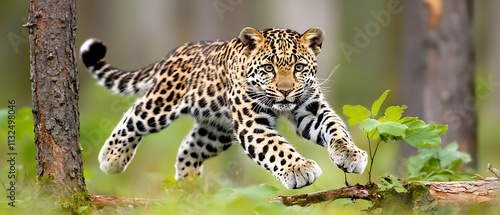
(438, 164)
(391, 182)
(432, 162)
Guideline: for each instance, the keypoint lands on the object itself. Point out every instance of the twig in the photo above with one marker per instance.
(372, 156)
(371, 159)
(352, 192)
(345, 180)
(493, 170)
(28, 25)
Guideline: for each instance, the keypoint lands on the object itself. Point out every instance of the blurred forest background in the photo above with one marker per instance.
(140, 32)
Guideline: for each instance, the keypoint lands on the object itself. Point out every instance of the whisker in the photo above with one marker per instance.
(329, 76)
(262, 104)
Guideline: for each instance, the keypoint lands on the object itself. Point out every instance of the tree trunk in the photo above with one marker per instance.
(54, 86)
(446, 57)
(414, 29)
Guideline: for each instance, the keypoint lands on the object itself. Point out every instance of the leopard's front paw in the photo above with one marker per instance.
(349, 158)
(302, 173)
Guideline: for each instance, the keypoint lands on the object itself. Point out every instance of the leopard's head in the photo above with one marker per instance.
(281, 65)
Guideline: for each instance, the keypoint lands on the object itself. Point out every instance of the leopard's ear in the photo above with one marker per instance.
(251, 39)
(313, 39)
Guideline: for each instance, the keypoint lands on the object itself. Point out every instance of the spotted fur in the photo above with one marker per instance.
(235, 90)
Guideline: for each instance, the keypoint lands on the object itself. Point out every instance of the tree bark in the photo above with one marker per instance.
(54, 86)
(442, 57)
(464, 193)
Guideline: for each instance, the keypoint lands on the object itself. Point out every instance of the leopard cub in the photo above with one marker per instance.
(235, 90)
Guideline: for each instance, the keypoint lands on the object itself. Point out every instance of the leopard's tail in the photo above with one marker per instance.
(125, 82)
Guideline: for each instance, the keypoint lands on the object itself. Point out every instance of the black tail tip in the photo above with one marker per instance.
(92, 51)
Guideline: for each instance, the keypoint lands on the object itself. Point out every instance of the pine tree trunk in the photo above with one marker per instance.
(54, 85)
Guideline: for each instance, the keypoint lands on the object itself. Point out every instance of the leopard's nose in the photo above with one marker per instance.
(285, 87)
(285, 92)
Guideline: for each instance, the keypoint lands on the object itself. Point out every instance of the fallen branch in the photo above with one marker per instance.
(473, 192)
(419, 194)
(101, 201)
(351, 192)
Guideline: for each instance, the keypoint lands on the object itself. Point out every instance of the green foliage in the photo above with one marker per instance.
(438, 164)
(23, 122)
(421, 135)
(378, 103)
(23, 145)
(356, 113)
(391, 126)
(194, 196)
(82, 209)
(432, 162)
(391, 182)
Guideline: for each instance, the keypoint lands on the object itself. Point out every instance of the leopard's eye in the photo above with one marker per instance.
(269, 68)
(299, 67)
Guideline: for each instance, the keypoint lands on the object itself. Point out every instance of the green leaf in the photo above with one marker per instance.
(450, 157)
(374, 134)
(368, 125)
(169, 182)
(385, 185)
(382, 186)
(415, 166)
(394, 113)
(395, 129)
(377, 103)
(425, 135)
(400, 189)
(412, 122)
(82, 209)
(398, 186)
(436, 164)
(356, 113)
(440, 175)
(391, 182)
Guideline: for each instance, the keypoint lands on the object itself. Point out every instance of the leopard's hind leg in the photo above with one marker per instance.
(149, 114)
(206, 140)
